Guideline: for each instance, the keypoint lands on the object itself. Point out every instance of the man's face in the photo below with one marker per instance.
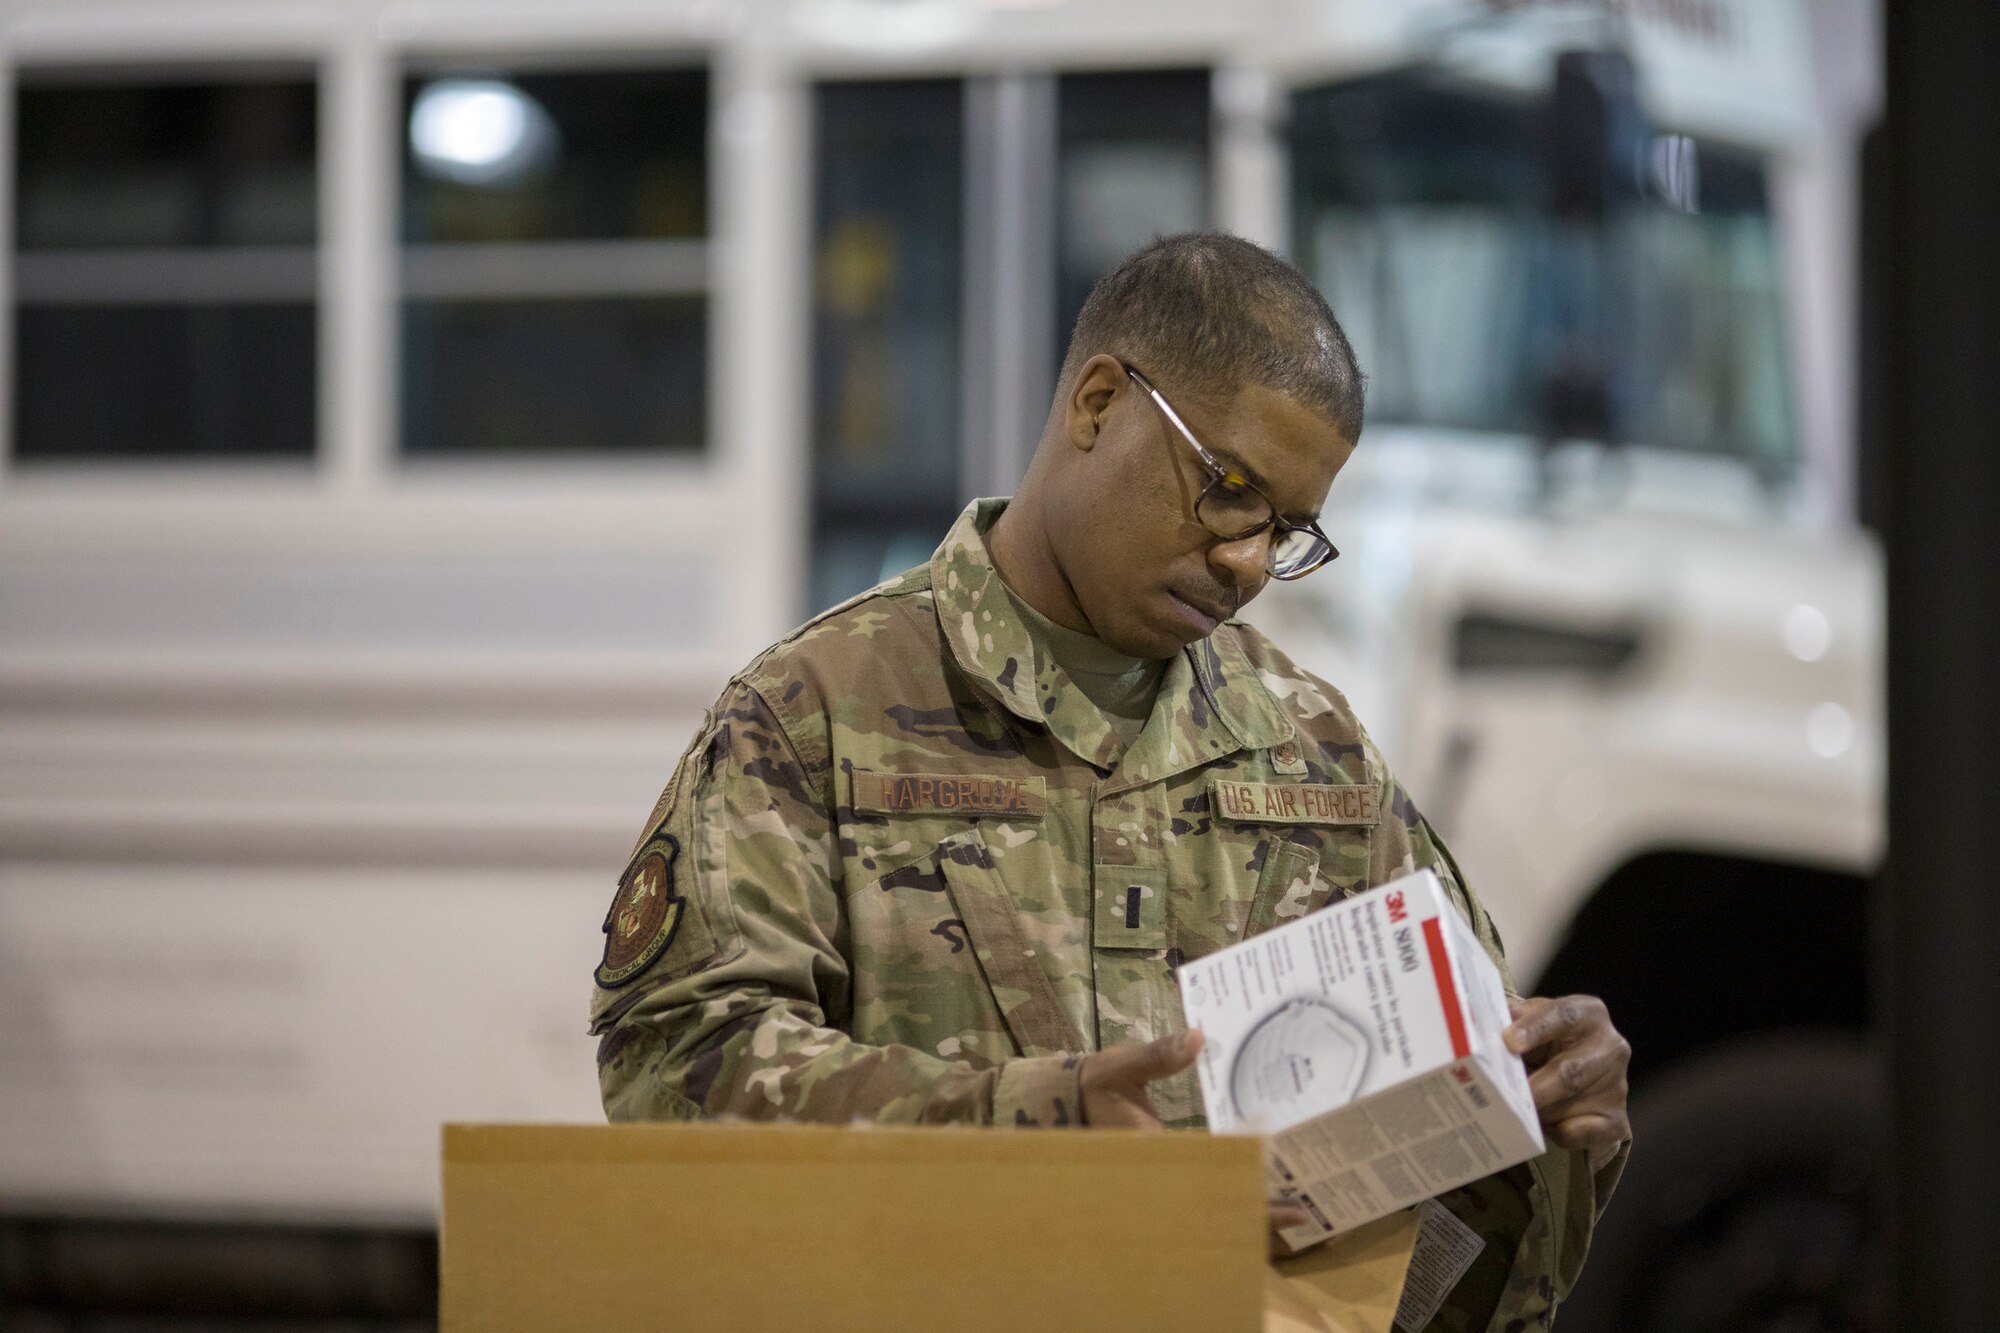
(1148, 577)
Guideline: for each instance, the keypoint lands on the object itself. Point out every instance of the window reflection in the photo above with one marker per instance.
(886, 319)
(482, 132)
(1131, 161)
(570, 156)
(165, 271)
(213, 163)
(517, 377)
(1134, 164)
(555, 267)
(1421, 212)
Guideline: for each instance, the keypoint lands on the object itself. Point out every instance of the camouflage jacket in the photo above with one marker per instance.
(903, 874)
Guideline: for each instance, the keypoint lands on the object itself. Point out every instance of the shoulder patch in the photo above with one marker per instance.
(644, 916)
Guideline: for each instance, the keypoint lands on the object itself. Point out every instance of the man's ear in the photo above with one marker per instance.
(1097, 382)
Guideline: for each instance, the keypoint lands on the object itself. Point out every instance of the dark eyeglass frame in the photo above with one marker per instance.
(1219, 474)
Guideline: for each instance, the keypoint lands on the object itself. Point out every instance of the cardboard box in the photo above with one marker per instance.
(1365, 1041)
(750, 1227)
(1348, 1285)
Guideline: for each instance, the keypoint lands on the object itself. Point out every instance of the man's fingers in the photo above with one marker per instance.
(1576, 1069)
(1283, 1217)
(1589, 1133)
(1539, 1021)
(1153, 1060)
(1575, 1074)
(1114, 1080)
(1173, 1054)
(1527, 1015)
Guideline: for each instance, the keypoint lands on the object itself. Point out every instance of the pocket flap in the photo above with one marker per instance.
(1286, 889)
(1018, 979)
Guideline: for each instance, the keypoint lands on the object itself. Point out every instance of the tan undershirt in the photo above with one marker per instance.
(1123, 687)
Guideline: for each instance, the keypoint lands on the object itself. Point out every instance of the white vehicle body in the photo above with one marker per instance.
(314, 782)
(1747, 722)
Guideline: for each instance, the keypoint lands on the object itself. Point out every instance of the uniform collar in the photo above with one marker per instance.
(1210, 704)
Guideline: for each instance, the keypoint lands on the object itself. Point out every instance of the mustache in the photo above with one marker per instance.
(1221, 597)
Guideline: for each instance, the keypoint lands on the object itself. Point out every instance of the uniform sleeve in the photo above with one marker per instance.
(1536, 1218)
(740, 1011)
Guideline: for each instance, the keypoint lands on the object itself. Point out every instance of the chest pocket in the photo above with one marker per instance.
(1016, 972)
(1321, 836)
(1289, 887)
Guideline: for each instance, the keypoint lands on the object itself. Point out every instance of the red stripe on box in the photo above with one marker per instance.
(1454, 1016)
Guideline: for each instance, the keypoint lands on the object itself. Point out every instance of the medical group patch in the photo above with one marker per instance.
(644, 915)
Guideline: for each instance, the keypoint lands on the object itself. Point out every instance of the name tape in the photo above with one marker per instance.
(948, 794)
(1294, 802)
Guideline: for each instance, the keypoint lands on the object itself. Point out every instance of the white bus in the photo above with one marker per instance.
(414, 410)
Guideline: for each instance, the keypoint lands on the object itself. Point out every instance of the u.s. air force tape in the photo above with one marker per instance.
(948, 794)
(1295, 802)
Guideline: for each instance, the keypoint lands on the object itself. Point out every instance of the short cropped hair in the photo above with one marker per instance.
(1205, 313)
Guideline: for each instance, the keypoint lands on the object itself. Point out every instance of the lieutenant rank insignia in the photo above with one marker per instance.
(644, 915)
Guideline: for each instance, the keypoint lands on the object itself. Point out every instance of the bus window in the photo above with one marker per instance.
(887, 245)
(898, 374)
(1133, 164)
(165, 265)
(555, 264)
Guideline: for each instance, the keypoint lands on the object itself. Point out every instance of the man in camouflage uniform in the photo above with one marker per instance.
(935, 856)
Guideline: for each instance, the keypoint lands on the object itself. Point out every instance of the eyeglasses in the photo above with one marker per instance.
(1233, 508)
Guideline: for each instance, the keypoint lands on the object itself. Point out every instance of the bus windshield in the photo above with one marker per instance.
(1422, 212)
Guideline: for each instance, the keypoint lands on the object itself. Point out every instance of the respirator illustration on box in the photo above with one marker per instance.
(1303, 1059)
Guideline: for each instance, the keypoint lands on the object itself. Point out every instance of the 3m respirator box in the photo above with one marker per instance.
(1364, 1041)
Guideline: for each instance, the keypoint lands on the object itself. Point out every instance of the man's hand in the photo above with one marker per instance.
(1576, 1068)
(1114, 1080)
(1282, 1215)
(1114, 1095)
